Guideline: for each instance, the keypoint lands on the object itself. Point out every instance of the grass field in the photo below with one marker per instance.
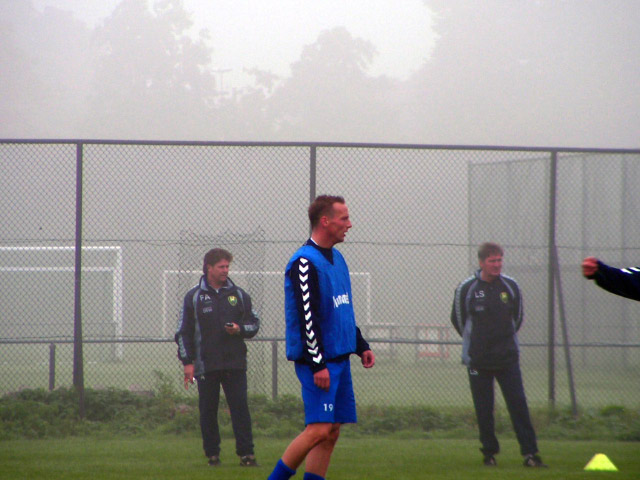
(170, 457)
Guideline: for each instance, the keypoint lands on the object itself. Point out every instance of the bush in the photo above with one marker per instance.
(43, 414)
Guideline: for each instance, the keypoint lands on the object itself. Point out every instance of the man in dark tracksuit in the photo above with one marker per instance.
(216, 318)
(620, 281)
(487, 313)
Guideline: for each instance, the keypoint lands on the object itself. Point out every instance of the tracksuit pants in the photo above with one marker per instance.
(482, 390)
(234, 384)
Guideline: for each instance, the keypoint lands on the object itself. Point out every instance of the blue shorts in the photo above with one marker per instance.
(338, 405)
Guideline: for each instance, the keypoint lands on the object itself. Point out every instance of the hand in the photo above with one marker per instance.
(589, 266)
(368, 359)
(233, 330)
(322, 379)
(188, 376)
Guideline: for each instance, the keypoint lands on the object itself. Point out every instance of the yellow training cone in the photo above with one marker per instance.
(601, 462)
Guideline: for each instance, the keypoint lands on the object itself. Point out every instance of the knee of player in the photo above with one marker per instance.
(334, 433)
(322, 432)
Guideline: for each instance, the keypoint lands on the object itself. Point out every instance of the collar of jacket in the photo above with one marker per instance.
(479, 277)
(204, 285)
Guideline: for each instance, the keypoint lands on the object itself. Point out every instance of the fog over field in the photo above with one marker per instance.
(496, 72)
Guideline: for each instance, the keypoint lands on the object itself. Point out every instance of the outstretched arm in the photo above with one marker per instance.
(619, 281)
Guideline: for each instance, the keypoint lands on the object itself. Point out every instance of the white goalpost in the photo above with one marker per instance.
(27, 259)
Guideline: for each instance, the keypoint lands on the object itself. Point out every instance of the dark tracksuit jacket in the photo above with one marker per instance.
(620, 281)
(488, 316)
(201, 337)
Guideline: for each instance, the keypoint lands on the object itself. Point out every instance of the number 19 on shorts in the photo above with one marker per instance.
(328, 407)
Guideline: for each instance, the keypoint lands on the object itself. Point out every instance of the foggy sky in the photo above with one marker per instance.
(512, 73)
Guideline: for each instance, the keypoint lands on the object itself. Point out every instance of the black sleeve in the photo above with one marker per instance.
(304, 279)
(519, 308)
(361, 344)
(624, 282)
(458, 313)
(185, 332)
(454, 318)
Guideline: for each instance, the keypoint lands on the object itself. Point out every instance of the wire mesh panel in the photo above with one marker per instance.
(37, 214)
(150, 211)
(591, 218)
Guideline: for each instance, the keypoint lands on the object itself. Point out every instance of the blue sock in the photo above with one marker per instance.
(311, 476)
(281, 472)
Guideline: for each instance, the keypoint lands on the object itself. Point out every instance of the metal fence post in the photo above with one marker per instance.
(565, 335)
(52, 366)
(312, 176)
(274, 370)
(78, 368)
(551, 277)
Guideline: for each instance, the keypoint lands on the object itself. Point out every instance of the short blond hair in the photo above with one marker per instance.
(321, 206)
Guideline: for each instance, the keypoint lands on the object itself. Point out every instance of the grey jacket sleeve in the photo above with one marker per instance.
(250, 324)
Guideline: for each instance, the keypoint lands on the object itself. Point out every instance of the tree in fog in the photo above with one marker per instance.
(45, 70)
(534, 73)
(329, 95)
(243, 115)
(19, 85)
(481, 67)
(152, 79)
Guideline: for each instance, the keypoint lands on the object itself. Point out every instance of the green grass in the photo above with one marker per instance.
(161, 457)
(39, 414)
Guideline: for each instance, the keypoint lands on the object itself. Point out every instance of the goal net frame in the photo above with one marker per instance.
(116, 270)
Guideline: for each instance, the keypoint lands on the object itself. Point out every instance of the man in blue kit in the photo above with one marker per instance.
(487, 313)
(321, 334)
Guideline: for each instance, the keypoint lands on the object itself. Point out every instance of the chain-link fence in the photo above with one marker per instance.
(148, 212)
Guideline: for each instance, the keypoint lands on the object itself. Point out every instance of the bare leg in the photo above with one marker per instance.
(319, 457)
(313, 435)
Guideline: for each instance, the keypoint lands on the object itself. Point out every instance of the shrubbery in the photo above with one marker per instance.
(43, 414)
